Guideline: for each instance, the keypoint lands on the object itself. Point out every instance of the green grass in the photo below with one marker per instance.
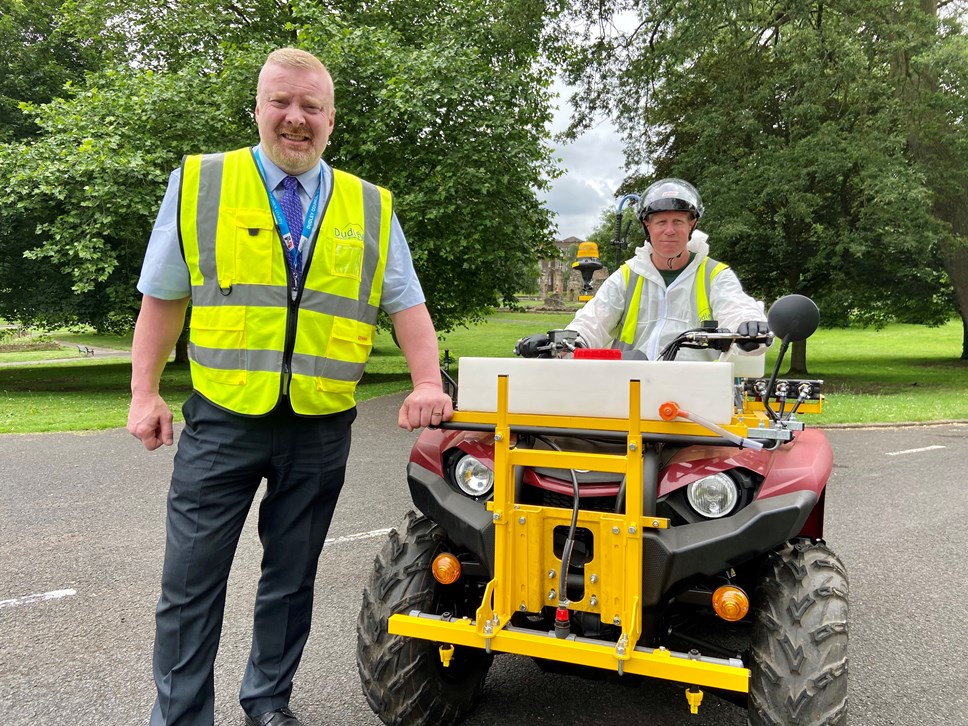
(899, 374)
(76, 396)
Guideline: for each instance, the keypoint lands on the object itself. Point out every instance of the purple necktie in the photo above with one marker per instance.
(292, 208)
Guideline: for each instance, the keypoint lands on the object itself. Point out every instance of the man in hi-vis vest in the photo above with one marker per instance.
(671, 285)
(287, 263)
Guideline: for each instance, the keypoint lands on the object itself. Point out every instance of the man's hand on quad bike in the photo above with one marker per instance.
(427, 405)
(534, 346)
(753, 329)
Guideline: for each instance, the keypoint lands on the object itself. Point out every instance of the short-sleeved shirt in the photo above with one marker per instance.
(164, 273)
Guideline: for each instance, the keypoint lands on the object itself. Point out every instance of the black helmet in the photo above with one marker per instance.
(670, 195)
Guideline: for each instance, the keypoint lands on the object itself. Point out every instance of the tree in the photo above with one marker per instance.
(37, 57)
(787, 119)
(931, 72)
(447, 107)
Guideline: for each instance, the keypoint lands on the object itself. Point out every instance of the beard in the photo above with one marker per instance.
(294, 160)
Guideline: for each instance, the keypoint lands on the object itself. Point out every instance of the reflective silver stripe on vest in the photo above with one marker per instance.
(270, 361)
(206, 214)
(276, 296)
(344, 307)
(372, 213)
(316, 366)
(266, 296)
(236, 359)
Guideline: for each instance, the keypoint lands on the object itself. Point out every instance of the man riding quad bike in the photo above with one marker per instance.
(658, 519)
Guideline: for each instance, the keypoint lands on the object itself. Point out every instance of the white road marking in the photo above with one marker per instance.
(914, 451)
(40, 597)
(358, 536)
(57, 594)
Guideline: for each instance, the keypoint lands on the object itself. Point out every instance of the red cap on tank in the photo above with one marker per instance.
(598, 353)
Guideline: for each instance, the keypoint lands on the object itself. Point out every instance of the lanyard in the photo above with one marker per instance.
(280, 217)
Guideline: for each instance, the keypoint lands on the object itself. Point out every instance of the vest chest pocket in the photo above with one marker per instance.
(247, 247)
(348, 258)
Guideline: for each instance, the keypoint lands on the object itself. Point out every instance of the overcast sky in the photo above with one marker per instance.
(593, 169)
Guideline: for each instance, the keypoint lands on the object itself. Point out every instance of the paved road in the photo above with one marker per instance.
(98, 353)
(84, 513)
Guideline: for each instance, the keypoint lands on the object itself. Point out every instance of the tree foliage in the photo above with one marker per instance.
(445, 106)
(464, 157)
(788, 118)
(38, 55)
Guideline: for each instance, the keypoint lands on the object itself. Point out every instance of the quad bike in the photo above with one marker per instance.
(644, 518)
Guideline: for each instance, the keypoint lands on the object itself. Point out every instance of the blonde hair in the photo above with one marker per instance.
(291, 58)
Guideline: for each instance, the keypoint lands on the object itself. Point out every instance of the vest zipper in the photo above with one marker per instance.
(291, 317)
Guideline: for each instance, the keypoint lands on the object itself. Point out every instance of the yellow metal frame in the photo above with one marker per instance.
(526, 567)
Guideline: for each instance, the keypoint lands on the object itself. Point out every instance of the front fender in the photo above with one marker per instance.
(676, 557)
(803, 464)
(467, 522)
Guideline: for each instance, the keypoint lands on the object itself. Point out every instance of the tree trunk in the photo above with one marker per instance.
(935, 154)
(964, 337)
(181, 346)
(798, 360)
(954, 252)
(181, 350)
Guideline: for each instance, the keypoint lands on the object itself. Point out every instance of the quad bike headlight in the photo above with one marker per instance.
(473, 477)
(713, 496)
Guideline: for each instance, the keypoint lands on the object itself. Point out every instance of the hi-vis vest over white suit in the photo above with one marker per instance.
(253, 338)
(662, 313)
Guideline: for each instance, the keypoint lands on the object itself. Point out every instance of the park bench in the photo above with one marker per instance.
(85, 350)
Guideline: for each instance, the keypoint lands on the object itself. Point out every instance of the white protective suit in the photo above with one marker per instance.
(665, 312)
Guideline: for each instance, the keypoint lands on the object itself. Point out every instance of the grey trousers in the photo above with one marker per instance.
(222, 459)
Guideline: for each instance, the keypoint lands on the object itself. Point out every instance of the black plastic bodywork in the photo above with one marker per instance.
(466, 521)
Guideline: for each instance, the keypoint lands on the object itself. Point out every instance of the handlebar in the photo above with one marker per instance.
(559, 343)
(554, 344)
(717, 339)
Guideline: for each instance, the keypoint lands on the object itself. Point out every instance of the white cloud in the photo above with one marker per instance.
(594, 167)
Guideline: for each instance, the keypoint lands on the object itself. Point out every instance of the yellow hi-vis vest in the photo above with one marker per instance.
(253, 337)
(707, 271)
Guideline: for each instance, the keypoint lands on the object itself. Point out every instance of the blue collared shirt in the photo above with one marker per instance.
(164, 273)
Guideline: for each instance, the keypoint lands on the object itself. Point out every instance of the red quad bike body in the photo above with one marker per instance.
(710, 571)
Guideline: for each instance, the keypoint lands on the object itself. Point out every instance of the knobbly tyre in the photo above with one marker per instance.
(712, 573)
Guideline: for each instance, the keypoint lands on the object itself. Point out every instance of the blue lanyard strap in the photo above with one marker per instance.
(280, 217)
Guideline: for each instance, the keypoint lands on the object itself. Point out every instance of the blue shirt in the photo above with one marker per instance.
(164, 273)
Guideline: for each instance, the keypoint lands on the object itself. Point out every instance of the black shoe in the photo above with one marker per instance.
(279, 717)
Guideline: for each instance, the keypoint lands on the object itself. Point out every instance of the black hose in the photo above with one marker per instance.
(572, 528)
(768, 394)
(620, 498)
(800, 399)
